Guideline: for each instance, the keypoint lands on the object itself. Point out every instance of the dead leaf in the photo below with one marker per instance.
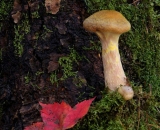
(33, 6)
(61, 28)
(52, 6)
(55, 56)
(52, 66)
(16, 17)
(53, 63)
(35, 126)
(16, 14)
(65, 42)
(61, 116)
(17, 6)
(42, 82)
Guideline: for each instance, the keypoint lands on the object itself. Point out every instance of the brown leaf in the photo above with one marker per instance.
(16, 17)
(41, 82)
(28, 108)
(55, 56)
(33, 6)
(61, 28)
(52, 6)
(65, 42)
(52, 66)
(16, 14)
(17, 5)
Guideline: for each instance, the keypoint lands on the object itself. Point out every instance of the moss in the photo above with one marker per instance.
(66, 65)
(20, 29)
(113, 113)
(5, 10)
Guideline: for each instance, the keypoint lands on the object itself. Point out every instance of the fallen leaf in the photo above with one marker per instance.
(53, 115)
(79, 111)
(33, 6)
(16, 17)
(52, 6)
(61, 28)
(35, 126)
(52, 66)
(17, 5)
(53, 63)
(61, 116)
(16, 14)
(55, 56)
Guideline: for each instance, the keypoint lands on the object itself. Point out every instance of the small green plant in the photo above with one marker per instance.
(67, 63)
(39, 73)
(67, 67)
(20, 30)
(35, 14)
(27, 78)
(46, 31)
(53, 77)
(17, 41)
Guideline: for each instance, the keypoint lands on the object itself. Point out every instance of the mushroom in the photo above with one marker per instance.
(109, 25)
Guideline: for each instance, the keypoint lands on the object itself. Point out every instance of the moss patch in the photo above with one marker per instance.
(113, 113)
(5, 10)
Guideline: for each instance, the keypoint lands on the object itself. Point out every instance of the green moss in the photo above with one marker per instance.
(113, 113)
(66, 64)
(5, 9)
(20, 29)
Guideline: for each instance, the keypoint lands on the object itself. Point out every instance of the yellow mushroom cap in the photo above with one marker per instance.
(107, 20)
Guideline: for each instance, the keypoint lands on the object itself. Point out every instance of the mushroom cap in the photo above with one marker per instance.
(107, 20)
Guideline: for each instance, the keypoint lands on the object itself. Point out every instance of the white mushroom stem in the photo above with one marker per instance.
(115, 77)
(113, 70)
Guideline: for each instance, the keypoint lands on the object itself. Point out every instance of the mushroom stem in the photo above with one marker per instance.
(113, 70)
(114, 75)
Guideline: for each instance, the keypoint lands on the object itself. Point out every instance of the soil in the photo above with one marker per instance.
(40, 58)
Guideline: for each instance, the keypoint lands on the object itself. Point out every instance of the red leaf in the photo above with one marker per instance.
(76, 113)
(61, 116)
(35, 126)
(53, 115)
